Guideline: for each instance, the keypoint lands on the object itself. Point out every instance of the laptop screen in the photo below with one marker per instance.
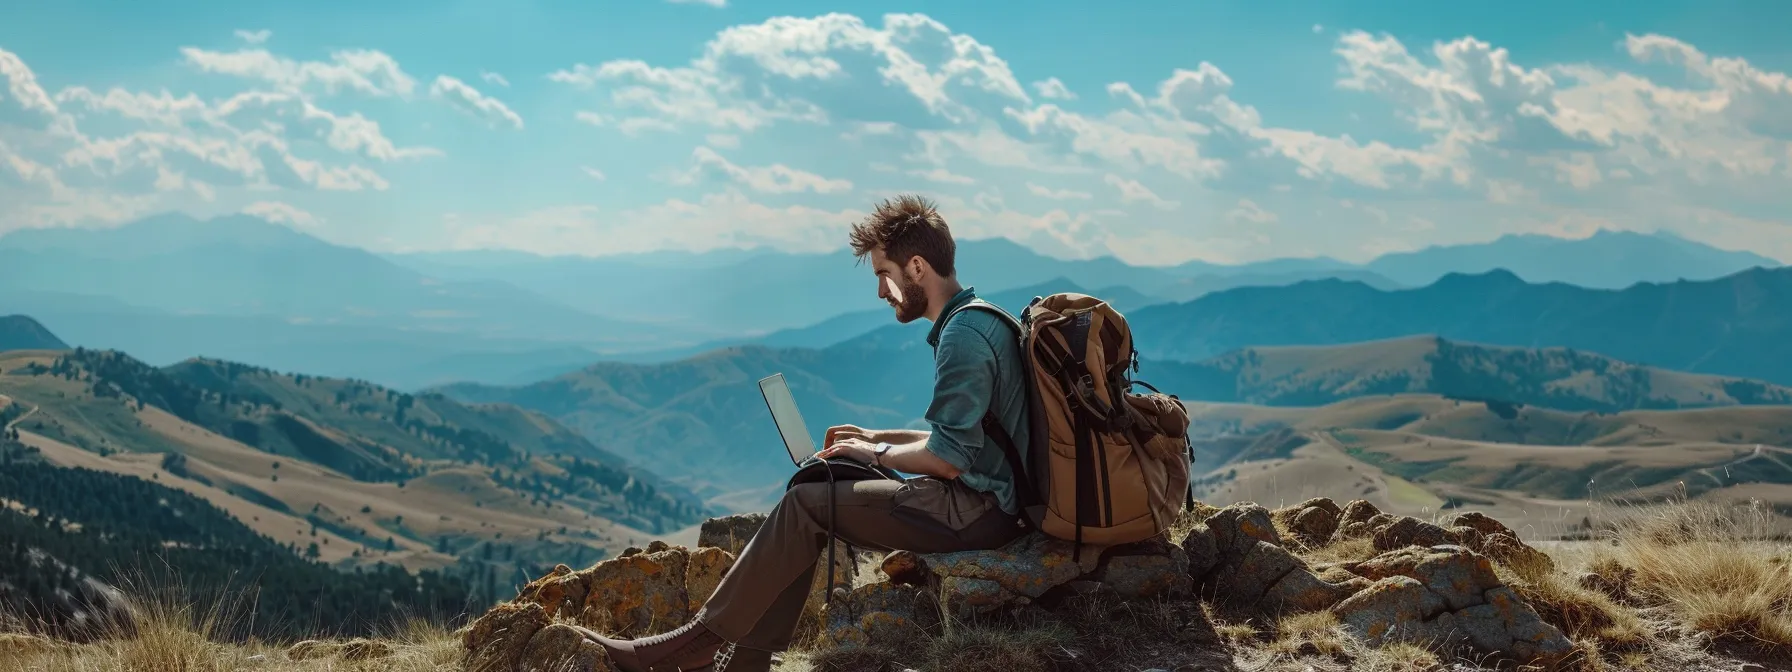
(789, 420)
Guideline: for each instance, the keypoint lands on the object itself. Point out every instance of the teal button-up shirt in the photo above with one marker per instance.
(977, 364)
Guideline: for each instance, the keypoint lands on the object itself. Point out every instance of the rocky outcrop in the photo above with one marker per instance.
(1427, 584)
(1033, 570)
(1447, 595)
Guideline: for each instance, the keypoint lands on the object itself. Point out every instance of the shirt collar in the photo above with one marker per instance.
(962, 297)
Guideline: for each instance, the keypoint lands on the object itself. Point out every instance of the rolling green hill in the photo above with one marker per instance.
(70, 537)
(420, 481)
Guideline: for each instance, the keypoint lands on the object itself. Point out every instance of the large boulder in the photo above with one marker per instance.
(498, 641)
(1237, 560)
(1032, 571)
(1311, 522)
(1448, 596)
(881, 612)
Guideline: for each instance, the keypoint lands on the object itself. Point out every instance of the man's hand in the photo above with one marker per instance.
(852, 448)
(839, 432)
(872, 436)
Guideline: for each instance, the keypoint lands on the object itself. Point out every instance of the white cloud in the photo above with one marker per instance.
(1248, 212)
(469, 100)
(594, 173)
(494, 78)
(1058, 194)
(723, 140)
(1052, 89)
(1131, 191)
(86, 154)
(943, 176)
(773, 179)
(281, 213)
(361, 70)
(254, 36)
(751, 76)
(712, 3)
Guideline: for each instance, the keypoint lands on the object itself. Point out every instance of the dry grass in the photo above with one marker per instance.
(1714, 568)
(177, 631)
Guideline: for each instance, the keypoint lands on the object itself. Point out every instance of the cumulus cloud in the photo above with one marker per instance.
(782, 70)
(1052, 89)
(86, 154)
(1131, 191)
(1058, 194)
(942, 176)
(467, 99)
(1248, 212)
(254, 36)
(773, 179)
(359, 70)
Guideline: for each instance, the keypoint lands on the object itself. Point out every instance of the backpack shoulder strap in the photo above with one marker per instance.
(992, 427)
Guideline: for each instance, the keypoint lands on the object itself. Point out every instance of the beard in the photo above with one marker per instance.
(913, 304)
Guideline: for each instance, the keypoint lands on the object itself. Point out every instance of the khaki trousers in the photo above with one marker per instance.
(759, 602)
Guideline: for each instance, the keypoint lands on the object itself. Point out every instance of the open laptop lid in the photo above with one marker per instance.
(789, 420)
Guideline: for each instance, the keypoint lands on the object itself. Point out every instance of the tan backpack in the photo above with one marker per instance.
(1109, 465)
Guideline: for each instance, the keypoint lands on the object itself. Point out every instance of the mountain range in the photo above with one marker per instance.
(765, 291)
(707, 409)
(168, 288)
(1737, 325)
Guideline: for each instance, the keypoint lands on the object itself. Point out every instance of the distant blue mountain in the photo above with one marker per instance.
(20, 332)
(728, 293)
(245, 266)
(1605, 260)
(1737, 325)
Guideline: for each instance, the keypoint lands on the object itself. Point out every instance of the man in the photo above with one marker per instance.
(963, 499)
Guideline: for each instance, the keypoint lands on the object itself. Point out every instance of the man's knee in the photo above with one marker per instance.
(806, 496)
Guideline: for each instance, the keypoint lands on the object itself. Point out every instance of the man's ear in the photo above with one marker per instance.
(918, 267)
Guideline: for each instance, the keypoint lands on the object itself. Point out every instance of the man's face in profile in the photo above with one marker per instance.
(896, 289)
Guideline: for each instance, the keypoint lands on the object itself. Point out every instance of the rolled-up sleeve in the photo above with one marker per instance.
(964, 377)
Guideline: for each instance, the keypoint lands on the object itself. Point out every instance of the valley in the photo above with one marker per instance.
(1560, 474)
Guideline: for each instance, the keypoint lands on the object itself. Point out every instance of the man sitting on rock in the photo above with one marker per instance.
(963, 498)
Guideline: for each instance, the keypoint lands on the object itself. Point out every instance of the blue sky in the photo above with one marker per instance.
(1154, 131)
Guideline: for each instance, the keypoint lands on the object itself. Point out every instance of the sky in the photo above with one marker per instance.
(1157, 132)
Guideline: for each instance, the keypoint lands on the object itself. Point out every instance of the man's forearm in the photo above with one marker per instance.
(914, 458)
(901, 436)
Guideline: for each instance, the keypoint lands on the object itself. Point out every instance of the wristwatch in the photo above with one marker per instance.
(877, 454)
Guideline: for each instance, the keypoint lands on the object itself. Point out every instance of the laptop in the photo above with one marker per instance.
(797, 440)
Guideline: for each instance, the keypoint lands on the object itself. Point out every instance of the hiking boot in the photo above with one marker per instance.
(690, 648)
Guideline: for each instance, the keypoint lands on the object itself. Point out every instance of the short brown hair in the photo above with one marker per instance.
(903, 227)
